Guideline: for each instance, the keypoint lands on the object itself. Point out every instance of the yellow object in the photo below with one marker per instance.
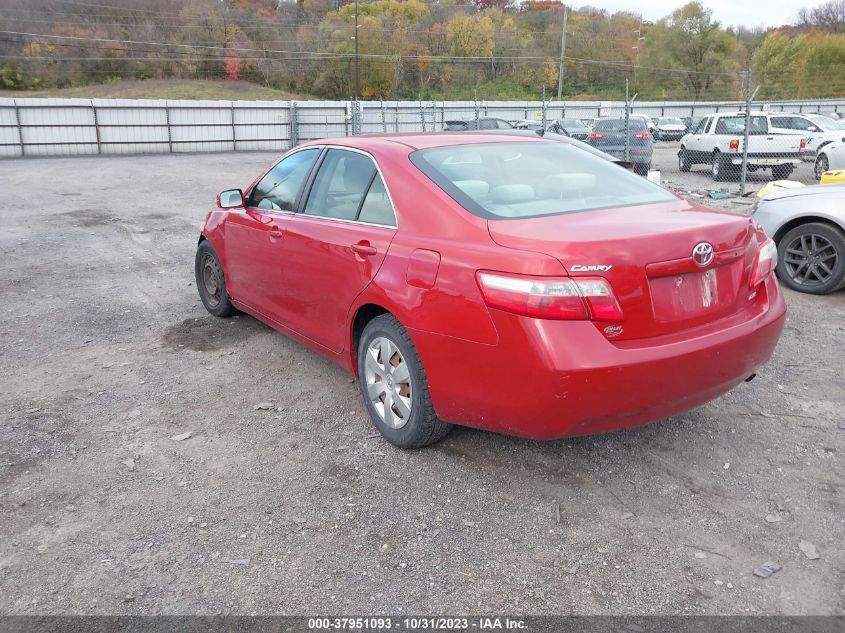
(776, 185)
(830, 177)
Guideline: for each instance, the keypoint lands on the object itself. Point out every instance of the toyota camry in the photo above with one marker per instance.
(514, 284)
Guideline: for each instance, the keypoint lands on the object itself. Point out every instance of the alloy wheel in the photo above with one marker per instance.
(810, 259)
(388, 382)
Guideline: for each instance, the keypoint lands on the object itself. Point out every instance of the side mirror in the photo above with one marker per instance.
(230, 199)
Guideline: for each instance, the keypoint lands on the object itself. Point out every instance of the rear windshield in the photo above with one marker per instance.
(618, 125)
(502, 181)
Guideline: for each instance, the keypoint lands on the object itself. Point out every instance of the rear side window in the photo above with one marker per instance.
(376, 208)
(736, 125)
(279, 188)
(340, 185)
(522, 180)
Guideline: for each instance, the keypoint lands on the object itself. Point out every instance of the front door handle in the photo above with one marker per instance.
(364, 249)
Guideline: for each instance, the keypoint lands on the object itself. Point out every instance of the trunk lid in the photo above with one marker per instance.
(645, 252)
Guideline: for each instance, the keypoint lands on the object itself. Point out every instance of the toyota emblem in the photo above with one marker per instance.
(702, 254)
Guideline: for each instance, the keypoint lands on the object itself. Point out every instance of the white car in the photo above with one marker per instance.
(718, 141)
(817, 129)
(830, 157)
(669, 128)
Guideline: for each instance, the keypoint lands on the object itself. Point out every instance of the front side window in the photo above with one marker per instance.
(279, 188)
(530, 179)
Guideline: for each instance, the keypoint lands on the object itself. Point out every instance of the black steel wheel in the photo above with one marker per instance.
(211, 282)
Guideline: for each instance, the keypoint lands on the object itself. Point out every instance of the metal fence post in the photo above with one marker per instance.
(96, 127)
(167, 121)
(294, 124)
(422, 116)
(234, 133)
(20, 130)
(744, 174)
(383, 117)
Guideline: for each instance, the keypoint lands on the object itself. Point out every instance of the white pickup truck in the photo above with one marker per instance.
(718, 141)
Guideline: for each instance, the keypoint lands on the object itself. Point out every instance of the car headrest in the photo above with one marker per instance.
(562, 185)
(512, 193)
(475, 189)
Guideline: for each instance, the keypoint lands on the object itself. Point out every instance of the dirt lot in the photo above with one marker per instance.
(106, 354)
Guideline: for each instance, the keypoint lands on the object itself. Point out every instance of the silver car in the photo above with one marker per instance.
(808, 226)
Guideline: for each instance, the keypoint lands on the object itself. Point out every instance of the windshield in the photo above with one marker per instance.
(512, 180)
(669, 121)
(571, 123)
(826, 122)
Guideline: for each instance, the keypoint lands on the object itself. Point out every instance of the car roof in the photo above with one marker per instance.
(419, 140)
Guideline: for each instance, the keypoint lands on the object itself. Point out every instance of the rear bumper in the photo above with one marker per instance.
(552, 379)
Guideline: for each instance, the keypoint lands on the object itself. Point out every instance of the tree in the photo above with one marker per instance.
(691, 51)
(829, 16)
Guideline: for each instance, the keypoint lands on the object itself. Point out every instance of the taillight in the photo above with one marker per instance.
(596, 135)
(734, 145)
(562, 298)
(641, 136)
(764, 263)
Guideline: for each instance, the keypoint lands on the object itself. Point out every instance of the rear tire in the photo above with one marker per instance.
(780, 172)
(394, 386)
(811, 258)
(822, 165)
(719, 167)
(211, 282)
(684, 162)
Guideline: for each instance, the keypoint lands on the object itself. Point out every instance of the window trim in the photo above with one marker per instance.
(309, 184)
(305, 182)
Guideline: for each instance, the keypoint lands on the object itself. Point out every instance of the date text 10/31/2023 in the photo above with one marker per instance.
(416, 624)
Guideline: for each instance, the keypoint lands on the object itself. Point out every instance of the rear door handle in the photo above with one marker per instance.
(364, 248)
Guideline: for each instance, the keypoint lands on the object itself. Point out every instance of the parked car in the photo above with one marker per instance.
(718, 141)
(608, 135)
(482, 123)
(495, 281)
(830, 157)
(808, 226)
(818, 130)
(528, 124)
(573, 128)
(669, 128)
(834, 115)
(649, 122)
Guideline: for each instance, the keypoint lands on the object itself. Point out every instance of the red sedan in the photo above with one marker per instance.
(513, 284)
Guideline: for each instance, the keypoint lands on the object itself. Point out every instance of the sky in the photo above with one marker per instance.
(749, 13)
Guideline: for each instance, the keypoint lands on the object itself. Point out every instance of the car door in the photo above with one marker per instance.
(254, 234)
(335, 245)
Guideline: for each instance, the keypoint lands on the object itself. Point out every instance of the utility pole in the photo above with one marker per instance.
(562, 51)
(357, 58)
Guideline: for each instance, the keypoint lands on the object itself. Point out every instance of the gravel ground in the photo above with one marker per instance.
(106, 356)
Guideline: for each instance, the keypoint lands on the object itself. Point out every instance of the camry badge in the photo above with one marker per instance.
(581, 268)
(702, 254)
